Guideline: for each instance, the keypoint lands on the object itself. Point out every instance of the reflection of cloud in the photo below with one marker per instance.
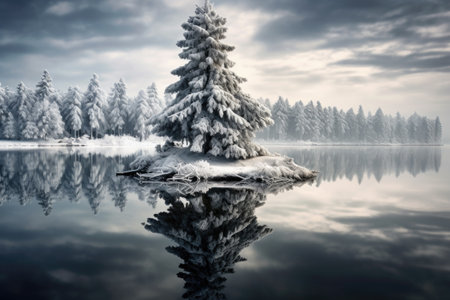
(337, 266)
(36, 265)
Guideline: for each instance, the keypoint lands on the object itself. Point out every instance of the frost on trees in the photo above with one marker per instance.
(22, 107)
(280, 114)
(3, 110)
(167, 99)
(361, 124)
(299, 120)
(9, 129)
(118, 108)
(46, 114)
(379, 125)
(437, 130)
(210, 231)
(142, 112)
(154, 102)
(352, 127)
(94, 109)
(210, 112)
(71, 111)
(312, 122)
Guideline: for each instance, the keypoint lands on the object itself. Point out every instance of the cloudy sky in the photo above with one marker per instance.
(379, 53)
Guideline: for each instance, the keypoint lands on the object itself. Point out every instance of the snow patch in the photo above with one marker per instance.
(179, 164)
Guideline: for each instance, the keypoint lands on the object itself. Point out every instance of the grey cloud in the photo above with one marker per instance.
(416, 62)
(309, 19)
(350, 24)
(30, 24)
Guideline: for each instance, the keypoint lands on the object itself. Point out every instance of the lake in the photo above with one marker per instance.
(375, 224)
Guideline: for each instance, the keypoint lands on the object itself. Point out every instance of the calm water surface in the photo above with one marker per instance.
(374, 225)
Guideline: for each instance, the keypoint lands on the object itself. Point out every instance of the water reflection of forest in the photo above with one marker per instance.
(359, 162)
(47, 176)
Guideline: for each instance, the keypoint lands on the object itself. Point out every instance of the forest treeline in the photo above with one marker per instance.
(44, 112)
(312, 122)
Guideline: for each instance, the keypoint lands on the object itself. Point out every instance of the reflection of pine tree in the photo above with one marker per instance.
(117, 187)
(73, 178)
(3, 182)
(336, 163)
(94, 180)
(47, 177)
(210, 230)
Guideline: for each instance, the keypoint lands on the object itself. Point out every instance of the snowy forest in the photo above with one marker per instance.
(45, 113)
(312, 122)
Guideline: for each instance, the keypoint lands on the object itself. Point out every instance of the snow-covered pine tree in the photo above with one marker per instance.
(437, 130)
(371, 136)
(413, 128)
(72, 113)
(361, 124)
(400, 131)
(352, 126)
(321, 121)
(328, 120)
(299, 120)
(390, 128)
(118, 103)
(280, 114)
(9, 129)
(265, 132)
(142, 113)
(154, 102)
(56, 128)
(426, 130)
(339, 124)
(379, 125)
(210, 111)
(22, 108)
(46, 114)
(3, 109)
(94, 106)
(312, 122)
(167, 99)
(44, 88)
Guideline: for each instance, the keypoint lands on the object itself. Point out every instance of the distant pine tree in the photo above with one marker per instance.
(142, 113)
(94, 109)
(118, 112)
(72, 113)
(437, 130)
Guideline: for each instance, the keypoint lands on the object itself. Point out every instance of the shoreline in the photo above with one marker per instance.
(129, 141)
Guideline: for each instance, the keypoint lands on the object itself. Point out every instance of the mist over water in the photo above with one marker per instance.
(375, 224)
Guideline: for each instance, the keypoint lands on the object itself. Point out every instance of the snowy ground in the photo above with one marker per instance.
(181, 165)
(107, 141)
(132, 142)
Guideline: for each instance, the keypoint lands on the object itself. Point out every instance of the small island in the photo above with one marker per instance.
(211, 122)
